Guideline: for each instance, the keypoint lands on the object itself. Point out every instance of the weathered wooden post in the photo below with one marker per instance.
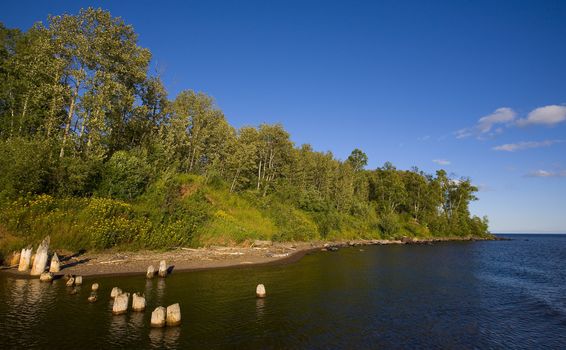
(46, 277)
(260, 291)
(158, 317)
(15, 259)
(115, 292)
(138, 302)
(54, 266)
(173, 315)
(25, 259)
(162, 268)
(150, 271)
(121, 304)
(40, 261)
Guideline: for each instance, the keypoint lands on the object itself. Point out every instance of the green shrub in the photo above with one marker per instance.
(292, 224)
(125, 175)
(25, 167)
(389, 224)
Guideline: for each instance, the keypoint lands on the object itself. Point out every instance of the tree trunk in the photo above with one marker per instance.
(68, 123)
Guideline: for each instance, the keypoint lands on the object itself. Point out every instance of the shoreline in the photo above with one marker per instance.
(262, 253)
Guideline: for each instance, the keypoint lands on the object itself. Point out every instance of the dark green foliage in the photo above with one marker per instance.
(25, 167)
(125, 175)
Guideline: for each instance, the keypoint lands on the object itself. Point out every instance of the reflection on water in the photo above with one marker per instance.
(137, 319)
(118, 328)
(160, 291)
(458, 295)
(259, 307)
(167, 338)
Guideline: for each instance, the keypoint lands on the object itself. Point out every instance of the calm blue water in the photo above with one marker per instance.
(486, 295)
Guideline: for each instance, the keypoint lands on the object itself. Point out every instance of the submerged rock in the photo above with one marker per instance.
(93, 297)
(260, 291)
(70, 282)
(121, 304)
(158, 317)
(138, 302)
(174, 315)
(46, 277)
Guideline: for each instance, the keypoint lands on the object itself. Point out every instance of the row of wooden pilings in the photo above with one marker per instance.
(37, 263)
(160, 317)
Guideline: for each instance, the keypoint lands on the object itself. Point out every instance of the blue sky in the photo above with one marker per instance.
(406, 81)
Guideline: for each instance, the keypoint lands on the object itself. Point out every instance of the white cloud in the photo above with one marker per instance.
(545, 173)
(441, 161)
(501, 116)
(547, 115)
(512, 147)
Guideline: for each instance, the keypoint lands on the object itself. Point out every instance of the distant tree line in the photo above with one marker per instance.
(80, 116)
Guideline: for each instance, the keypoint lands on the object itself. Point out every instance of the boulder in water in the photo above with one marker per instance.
(138, 302)
(78, 280)
(93, 297)
(260, 291)
(46, 277)
(70, 282)
(94, 287)
(150, 271)
(158, 317)
(121, 304)
(162, 268)
(174, 315)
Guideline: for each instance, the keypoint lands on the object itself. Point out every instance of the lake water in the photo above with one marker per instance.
(503, 294)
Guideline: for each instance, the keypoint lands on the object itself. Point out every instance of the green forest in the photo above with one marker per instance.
(95, 154)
